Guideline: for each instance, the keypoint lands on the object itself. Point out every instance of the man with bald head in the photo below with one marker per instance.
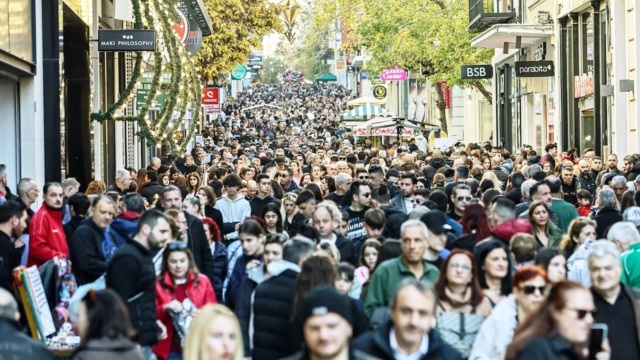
(586, 180)
(14, 343)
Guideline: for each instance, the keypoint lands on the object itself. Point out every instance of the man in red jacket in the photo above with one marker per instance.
(46, 234)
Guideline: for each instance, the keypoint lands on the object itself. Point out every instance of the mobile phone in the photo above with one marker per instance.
(599, 332)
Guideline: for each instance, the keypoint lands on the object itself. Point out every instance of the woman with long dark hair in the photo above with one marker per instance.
(210, 199)
(328, 185)
(554, 263)
(462, 306)
(475, 228)
(494, 270)
(273, 218)
(546, 233)
(559, 328)
(105, 329)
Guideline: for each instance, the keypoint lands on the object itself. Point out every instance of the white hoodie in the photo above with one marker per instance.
(233, 211)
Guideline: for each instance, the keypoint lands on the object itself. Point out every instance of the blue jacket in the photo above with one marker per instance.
(123, 227)
(239, 270)
(220, 264)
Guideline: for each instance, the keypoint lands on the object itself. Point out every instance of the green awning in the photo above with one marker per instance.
(364, 112)
(327, 77)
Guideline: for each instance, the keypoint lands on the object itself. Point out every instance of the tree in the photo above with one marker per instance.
(427, 36)
(272, 70)
(237, 27)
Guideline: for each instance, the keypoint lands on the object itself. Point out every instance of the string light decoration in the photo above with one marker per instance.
(184, 90)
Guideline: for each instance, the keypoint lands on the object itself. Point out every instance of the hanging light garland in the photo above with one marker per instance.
(184, 90)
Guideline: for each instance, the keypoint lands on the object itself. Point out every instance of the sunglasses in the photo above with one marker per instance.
(363, 178)
(177, 245)
(277, 237)
(464, 198)
(530, 289)
(582, 313)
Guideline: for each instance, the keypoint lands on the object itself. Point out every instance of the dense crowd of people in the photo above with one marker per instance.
(281, 236)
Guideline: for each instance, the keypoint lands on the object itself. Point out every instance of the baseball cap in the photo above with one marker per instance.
(436, 221)
(322, 300)
(632, 214)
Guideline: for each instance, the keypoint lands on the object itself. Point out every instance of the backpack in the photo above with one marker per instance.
(459, 329)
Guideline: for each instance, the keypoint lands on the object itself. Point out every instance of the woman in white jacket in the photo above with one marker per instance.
(496, 332)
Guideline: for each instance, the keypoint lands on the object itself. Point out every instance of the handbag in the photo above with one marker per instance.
(182, 320)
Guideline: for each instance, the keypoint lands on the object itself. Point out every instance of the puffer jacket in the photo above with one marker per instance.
(108, 349)
(124, 226)
(272, 307)
(431, 169)
(507, 229)
(220, 263)
(244, 305)
(496, 331)
(634, 172)
(200, 295)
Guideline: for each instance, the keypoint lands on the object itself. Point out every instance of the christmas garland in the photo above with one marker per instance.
(184, 89)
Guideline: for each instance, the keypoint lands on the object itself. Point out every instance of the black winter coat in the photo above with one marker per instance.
(220, 264)
(272, 306)
(85, 247)
(199, 246)
(431, 169)
(150, 190)
(554, 348)
(376, 343)
(606, 217)
(633, 174)
(9, 259)
(131, 274)
(347, 251)
(215, 215)
(15, 344)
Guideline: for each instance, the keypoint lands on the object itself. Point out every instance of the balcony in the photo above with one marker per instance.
(485, 13)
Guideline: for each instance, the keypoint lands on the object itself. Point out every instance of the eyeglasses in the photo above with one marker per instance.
(530, 289)
(464, 198)
(247, 151)
(277, 237)
(460, 266)
(177, 245)
(582, 313)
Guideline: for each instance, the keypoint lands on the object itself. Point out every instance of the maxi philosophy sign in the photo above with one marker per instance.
(395, 74)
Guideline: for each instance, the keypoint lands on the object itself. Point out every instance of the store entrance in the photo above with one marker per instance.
(587, 130)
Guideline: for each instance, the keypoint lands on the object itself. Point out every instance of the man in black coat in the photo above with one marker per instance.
(171, 198)
(13, 222)
(90, 251)
(14, 343)
(413, 310)
(273, 300)
(132, 275)
(432, 168)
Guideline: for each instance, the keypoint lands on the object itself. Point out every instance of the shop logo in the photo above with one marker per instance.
(476, 72)
(534, 68)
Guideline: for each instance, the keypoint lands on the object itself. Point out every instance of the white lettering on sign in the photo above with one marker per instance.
(535, 69)
(474, 72)
(583, 85)
(107, 43)
(135, 43)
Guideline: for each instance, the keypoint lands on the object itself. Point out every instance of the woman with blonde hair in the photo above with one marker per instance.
(214, 334)
(289, 209)
(490, 176)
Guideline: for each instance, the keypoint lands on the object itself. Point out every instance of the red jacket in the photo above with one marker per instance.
(199, 295)
(46, 236)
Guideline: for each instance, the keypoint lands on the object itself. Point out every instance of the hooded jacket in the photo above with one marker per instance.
(150, 190)
(244, 305)
(233, 212)
(377, 343)
(107, 349)
(431, 169)
(89, 262)
(507, 166)
(46, 236)
(124, 226)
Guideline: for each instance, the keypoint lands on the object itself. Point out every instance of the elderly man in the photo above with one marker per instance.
(618, 305)
(411, 264)
(619, 186)
(123, 180)
(408, 333)
(343, 182)
(608, 214)
(626, 236)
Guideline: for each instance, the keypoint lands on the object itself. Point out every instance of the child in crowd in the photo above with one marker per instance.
(523, 248)
(346, 282)
(584, 202)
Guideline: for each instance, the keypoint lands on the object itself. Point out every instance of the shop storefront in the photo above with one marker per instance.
(586, 116)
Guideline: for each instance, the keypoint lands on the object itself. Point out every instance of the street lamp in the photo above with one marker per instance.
(289, 12)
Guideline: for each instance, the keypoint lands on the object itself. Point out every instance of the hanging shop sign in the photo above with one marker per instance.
(239, 72)
(379, 92)
(476, 72)
(210, 96)
(543, 68)
(126, 40)
(156, 105)
(583, 85)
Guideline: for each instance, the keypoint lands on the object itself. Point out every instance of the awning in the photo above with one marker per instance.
(327, 77)
(364, 112)
(497, 35)
(365, 100)
(387, 126)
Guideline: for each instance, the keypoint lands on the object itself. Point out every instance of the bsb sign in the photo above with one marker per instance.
(476, 72)
(542, 68)
(126, 40)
